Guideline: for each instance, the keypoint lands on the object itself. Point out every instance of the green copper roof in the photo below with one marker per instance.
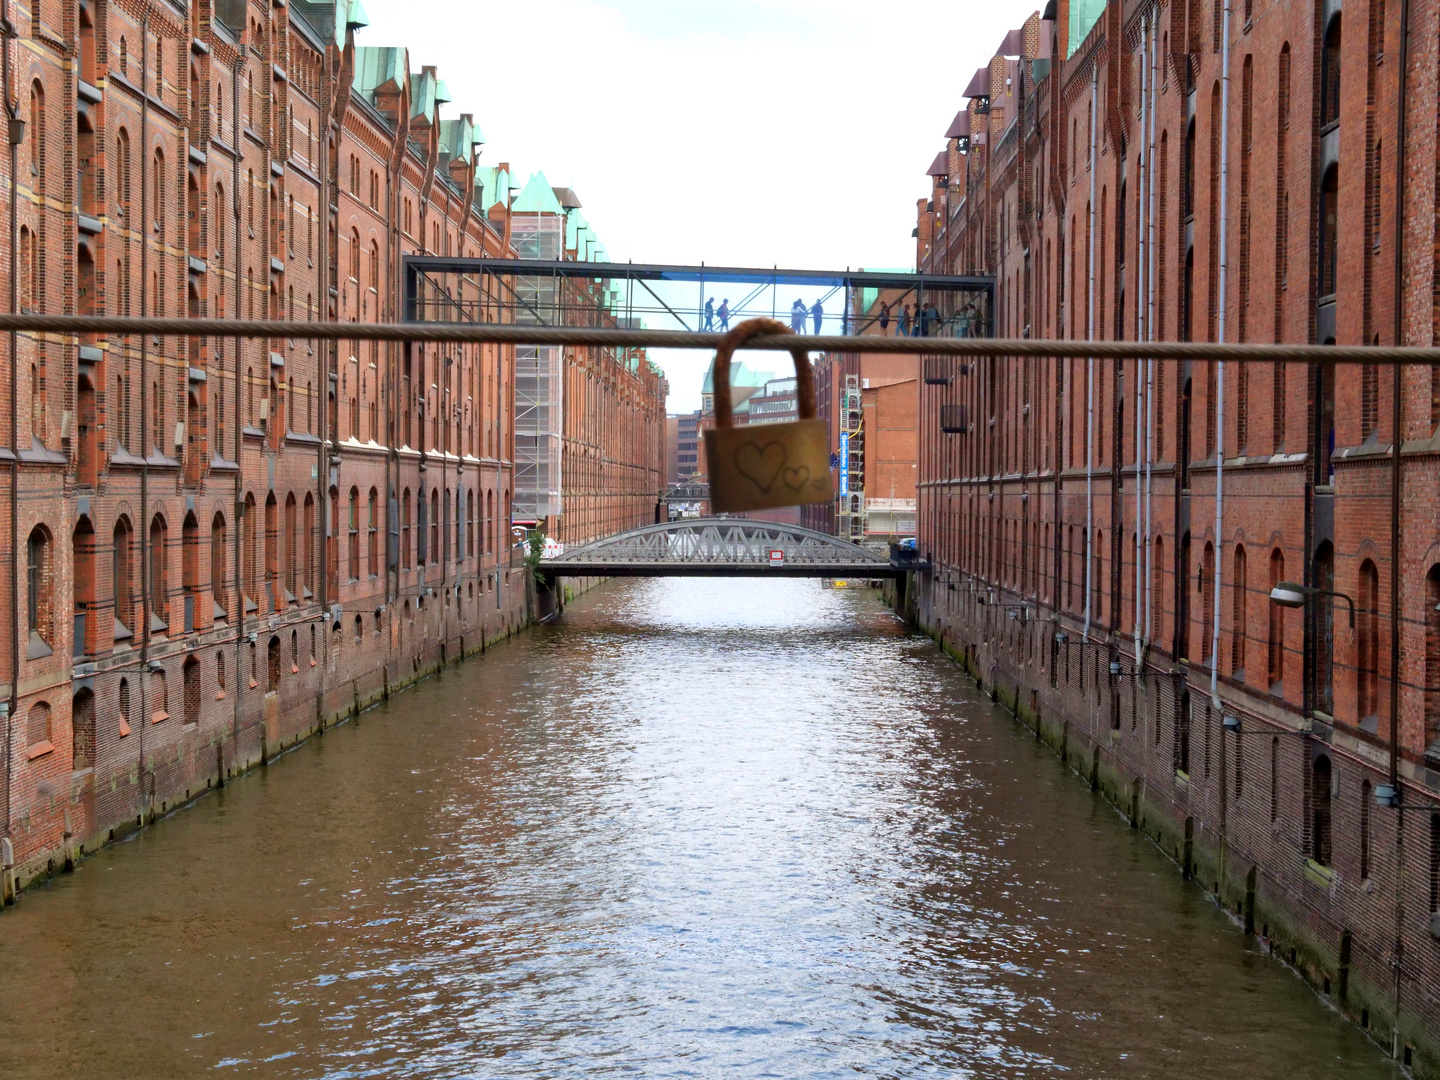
(379, 67)
(423, 95)
(537, 198)
(457, 137)
(491, 186)
(741, 376)
(442, 93)
(1083, 15)
(573, 226)
(350, 13)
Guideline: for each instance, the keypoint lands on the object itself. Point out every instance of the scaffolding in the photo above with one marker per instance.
(539, 381)
(851, 516)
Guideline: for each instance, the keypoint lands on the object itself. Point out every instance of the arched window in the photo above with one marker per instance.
(1182, 734)
(82, 554)
(372, 535)
(1365, 800)
(292, 546)
(39, 580)
(159, 578)
(190, 568)
(190, 675)
(374, 266)
(38, 156)
(308, 584)
(1322, 629)
(1320, 780)
(82, 730)
(434, 526)
(123, 179)
(248, 528)
(355, 256)
(1275, 635)
(122, 568)
(1329, 234)
(354, 535)
(1238, 629)
(158, 192)
(405, 533)
(217, 566)
(1367, 660)
(37, 726)
(272, 665)
(272, 553)
(1330, 75)
(159, 697)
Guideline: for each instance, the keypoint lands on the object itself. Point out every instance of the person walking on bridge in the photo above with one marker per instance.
(817, 313)
(708, 323)
(797, 316)
(884, 320)
(903, 326)
(724, 314)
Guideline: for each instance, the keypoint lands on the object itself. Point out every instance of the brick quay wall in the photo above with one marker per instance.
(1120, 182)
(210, 548)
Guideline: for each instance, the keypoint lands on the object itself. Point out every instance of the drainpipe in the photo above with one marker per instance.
(1151, 333)
(1396, 439)
(1220, 365)
(1140, 315)
(1090, 242)
(13, 704)
(240, 523)
(147, 611)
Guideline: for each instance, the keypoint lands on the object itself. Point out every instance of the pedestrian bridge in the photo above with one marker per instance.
(720, 547)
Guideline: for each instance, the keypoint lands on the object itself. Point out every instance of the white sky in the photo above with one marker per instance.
(745, 133)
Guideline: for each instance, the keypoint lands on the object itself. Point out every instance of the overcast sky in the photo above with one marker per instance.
(790, 132)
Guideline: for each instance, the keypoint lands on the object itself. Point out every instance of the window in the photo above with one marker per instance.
(1182, 734)
(1238, 616)
(37, 726)
(1330, 75)
(1432, 661)
(434, 526)
(354, 535)
(122, 574)
(405, 534)
(39, 577)
(159, 583)
(1275, 636)
(372, 549)
(190, 677)
(1365, 800)
(1367, 690)
(1320, 779)
(1322, 630)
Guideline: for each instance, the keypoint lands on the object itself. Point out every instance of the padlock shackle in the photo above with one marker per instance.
(736, 339)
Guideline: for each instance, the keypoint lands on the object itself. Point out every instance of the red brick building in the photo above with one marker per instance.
(1120, 181)
(214, 547)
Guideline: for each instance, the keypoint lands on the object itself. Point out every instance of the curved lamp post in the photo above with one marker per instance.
(1291, 594)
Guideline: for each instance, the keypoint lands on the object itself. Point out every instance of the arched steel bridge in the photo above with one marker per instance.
(721, 547)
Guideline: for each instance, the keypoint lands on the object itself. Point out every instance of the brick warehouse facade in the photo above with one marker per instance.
(214, 547)
(1117, 122)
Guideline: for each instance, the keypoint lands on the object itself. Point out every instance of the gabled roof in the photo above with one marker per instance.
(940, 166)
(1013, 45)
(492, 185)
(537, 198)
(979, 84)
(458, 137)
(959, 127)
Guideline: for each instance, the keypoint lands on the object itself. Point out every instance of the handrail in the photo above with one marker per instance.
(677, 339)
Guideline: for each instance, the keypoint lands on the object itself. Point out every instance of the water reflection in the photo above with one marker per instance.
(695, 827)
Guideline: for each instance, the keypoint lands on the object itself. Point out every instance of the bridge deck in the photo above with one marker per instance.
(562, 568)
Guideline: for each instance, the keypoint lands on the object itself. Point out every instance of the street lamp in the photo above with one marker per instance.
(1291, 594)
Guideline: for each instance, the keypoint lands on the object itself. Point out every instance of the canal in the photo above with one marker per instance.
(694, 827)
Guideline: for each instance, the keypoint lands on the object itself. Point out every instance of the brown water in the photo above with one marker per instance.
(694, 828)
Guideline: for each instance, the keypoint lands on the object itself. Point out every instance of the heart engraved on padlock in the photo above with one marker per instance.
(762, 466)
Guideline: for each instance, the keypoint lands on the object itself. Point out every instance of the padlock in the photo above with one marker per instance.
(761, 466)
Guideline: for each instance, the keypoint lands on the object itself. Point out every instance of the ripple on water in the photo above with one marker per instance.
(696, 826)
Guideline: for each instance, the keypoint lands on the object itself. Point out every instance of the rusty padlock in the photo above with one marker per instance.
(760, 466)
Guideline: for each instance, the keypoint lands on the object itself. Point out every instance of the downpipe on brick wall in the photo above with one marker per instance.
(238, 514)
(1396, 440)
(1151, 333)
(1090, 241)
(1140, 316)
(143, 525)
(1219, 571)
(16, 134)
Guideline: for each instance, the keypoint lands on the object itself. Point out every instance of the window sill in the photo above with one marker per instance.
(1319, 875)
(37, 648)
(219, 695)
(159, 717)
(39, 750)
(124, 727)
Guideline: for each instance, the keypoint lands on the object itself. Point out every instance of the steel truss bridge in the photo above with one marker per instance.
(721, 547)
(444, 288)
